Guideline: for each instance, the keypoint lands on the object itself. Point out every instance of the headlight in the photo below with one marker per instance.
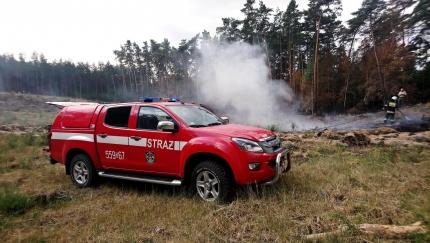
(248, 145)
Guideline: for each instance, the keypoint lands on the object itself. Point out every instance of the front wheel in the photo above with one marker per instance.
(212, 182)
(82, 171)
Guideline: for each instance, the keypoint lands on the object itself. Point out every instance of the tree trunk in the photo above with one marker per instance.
(378, 66)
(124, 87)
(386, 231)
(281, 70)
(136, 91)
(315, 71)
(348, 75)
(290, 60)
(114, 86)
(268, 59)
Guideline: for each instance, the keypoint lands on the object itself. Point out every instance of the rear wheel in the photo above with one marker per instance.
(82, 171)
(212, 182)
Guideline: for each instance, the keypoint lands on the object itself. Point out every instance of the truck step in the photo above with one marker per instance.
(141, 178)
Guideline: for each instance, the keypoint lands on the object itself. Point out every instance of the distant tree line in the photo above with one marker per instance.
(329, 65)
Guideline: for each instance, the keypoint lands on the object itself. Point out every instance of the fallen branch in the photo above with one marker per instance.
(387, 231)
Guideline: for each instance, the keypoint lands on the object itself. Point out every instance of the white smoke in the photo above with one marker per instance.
(234, 79)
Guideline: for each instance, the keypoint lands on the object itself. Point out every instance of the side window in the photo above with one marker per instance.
(150, 116)
(118, 116)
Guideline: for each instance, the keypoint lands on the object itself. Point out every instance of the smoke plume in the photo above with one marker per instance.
(234, 79)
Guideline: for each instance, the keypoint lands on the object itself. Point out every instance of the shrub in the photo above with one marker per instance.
(29, 139)
(14, 203)
(12, 142)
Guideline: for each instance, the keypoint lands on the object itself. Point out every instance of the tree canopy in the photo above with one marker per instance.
(330, 65)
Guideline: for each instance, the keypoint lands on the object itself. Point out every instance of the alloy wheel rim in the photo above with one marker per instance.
(207, 185)
(80, 172)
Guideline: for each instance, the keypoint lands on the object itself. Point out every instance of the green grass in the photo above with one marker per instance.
(21, 151)
(335, 185)
(12, 202)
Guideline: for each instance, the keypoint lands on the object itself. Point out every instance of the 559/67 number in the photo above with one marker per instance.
(114, 155)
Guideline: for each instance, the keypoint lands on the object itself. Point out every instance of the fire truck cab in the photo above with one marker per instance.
(164, 141)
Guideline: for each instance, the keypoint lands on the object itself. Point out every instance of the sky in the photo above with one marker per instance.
(89, 30)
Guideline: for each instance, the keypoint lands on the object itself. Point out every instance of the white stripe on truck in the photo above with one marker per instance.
(119, 140)
(73, 136)
(139, 143)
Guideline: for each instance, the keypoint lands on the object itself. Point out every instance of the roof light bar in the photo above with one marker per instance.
(158, 99)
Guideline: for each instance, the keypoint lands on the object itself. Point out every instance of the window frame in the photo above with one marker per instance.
(154, 130)
(117, 127)
(198, 106)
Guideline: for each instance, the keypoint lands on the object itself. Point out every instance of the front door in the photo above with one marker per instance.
(152, 150)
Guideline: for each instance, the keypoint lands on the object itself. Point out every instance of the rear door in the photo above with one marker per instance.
(152, 150)
(112, 132)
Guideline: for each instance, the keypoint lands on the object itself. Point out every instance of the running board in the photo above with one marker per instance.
(141, 178)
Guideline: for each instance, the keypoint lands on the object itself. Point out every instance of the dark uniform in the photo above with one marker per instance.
(390, 110)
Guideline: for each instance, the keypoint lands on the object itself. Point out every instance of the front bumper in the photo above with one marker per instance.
(272, 166)
(282, 164)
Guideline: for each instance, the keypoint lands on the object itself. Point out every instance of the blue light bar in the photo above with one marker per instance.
(149, 99)
(158, 99)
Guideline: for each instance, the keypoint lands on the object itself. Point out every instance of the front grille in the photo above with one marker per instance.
(272, 163)
(271, 144)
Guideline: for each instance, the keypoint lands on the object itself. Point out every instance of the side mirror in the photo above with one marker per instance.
(166, 126)
(225, 120)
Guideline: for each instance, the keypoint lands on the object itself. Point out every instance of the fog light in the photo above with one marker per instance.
(254, 166)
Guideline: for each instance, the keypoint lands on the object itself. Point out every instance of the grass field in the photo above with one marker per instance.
(335, 185)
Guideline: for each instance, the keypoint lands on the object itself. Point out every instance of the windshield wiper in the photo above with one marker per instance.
(197, 125)
(214, 124)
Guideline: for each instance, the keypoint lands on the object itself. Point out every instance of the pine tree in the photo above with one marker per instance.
(419, 22)
(249, 23)
(291, 32)
(321, 27)
(229, 31)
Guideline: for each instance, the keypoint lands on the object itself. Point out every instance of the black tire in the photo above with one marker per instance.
(221, 182)
(82, 171)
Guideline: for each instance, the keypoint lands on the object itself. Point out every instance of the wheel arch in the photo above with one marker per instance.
(197, 158)
(72, 153)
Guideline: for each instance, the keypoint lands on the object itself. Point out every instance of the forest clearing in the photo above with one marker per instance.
(331, 184)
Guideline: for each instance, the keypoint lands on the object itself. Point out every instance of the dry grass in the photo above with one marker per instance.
(329, 185)
(28, 110)
(334, 185)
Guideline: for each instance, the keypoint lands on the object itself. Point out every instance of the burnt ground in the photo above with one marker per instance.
(408, 119)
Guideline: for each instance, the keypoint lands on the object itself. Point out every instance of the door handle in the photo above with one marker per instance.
(136, 138)
(103, 135)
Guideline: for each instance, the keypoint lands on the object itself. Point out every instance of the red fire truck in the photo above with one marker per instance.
(164, 141)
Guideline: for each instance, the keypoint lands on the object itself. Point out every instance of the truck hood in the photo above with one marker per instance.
(240, 131)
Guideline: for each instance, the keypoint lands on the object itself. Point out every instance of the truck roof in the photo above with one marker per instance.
(161, 103)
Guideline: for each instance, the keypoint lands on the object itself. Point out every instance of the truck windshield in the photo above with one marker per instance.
(195, 116)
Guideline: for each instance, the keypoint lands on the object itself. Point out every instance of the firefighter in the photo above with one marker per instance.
(390, 109)
(402, 95)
